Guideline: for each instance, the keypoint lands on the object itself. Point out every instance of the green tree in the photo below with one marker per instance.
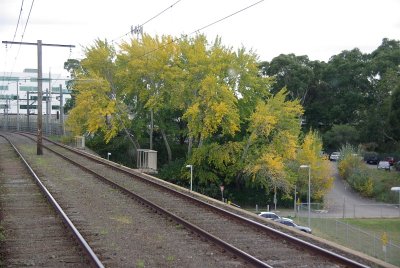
(340, 135)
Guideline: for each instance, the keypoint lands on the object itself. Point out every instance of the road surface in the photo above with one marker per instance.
(342, 201)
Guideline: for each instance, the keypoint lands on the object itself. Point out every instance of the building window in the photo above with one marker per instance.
(28, 88)
(31, 107)
(8, 78)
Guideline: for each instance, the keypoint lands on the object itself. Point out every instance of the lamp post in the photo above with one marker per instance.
(191, 176)
(309, 192)
(397, 189)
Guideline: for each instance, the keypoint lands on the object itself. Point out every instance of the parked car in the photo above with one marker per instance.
(390, 160)
(334, 156)
(384, 165)
(371, 158)
(298, 227)
(273, 216)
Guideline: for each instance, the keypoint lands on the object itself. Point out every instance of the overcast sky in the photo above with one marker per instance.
(317, 28)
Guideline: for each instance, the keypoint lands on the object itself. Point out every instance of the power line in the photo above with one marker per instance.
(19, 17)
(27, 21)
(141, 25)
(204, 27)
(22, 36)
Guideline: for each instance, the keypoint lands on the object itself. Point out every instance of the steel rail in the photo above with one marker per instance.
(314, 248)
(234, 250)
(94, 260)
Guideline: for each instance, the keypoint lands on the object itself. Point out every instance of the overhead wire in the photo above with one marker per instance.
(202, 28)
(22, 37)
(141, 25)
(19, 17)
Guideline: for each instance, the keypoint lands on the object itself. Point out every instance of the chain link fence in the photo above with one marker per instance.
(378, 245)
(51, 125)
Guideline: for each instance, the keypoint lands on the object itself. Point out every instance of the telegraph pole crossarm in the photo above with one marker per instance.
(39, 45)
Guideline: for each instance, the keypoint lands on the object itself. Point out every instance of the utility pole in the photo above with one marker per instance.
(39, 45)
(62, 111)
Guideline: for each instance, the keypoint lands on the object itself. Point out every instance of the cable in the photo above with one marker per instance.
(141, 25)
(15, 33)
(22, 37)
(202, 28)
(27, 21)
(19, 17)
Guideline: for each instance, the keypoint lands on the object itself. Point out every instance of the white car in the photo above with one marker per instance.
(334, 156)
(384, 165)
(273, 216)
(298, 227)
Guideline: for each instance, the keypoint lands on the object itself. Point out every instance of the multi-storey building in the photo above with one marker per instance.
(19, 101)
(19, 93)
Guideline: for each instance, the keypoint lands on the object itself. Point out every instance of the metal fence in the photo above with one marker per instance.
(378, 245)
(51, 125)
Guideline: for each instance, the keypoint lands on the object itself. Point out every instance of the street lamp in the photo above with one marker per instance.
(309, 192)
(397, 189)
(191, 176)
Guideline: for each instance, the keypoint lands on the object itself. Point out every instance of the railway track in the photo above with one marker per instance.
(34, 233)
(249, 240)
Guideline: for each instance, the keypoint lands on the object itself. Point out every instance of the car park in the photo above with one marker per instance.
(294, 225)
(334, 156)
(384, 165)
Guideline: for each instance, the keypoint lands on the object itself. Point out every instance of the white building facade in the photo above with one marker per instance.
(19, 100)
(19, 89)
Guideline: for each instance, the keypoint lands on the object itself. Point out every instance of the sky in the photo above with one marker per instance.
(316, 28)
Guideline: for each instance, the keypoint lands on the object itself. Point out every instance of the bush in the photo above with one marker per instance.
(360, 181)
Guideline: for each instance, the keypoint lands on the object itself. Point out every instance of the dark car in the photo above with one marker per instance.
(372, 159)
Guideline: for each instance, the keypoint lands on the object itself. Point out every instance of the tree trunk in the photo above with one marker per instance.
(167, 145)
(190, 145)
(151, 129)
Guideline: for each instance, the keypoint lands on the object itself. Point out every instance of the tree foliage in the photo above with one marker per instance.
(239, 122)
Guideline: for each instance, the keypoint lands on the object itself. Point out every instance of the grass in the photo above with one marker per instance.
(364, 235)
(379, 226)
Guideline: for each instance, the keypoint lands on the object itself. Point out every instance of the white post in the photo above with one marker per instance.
(309, 192)
(295, 198)
(191, 176)
(17, 106)
(309, 196)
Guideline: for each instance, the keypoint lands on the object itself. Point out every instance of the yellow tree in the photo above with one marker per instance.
(274, 129)
(208, 97)
(310, 154)
(149, 67)
(98, 106)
